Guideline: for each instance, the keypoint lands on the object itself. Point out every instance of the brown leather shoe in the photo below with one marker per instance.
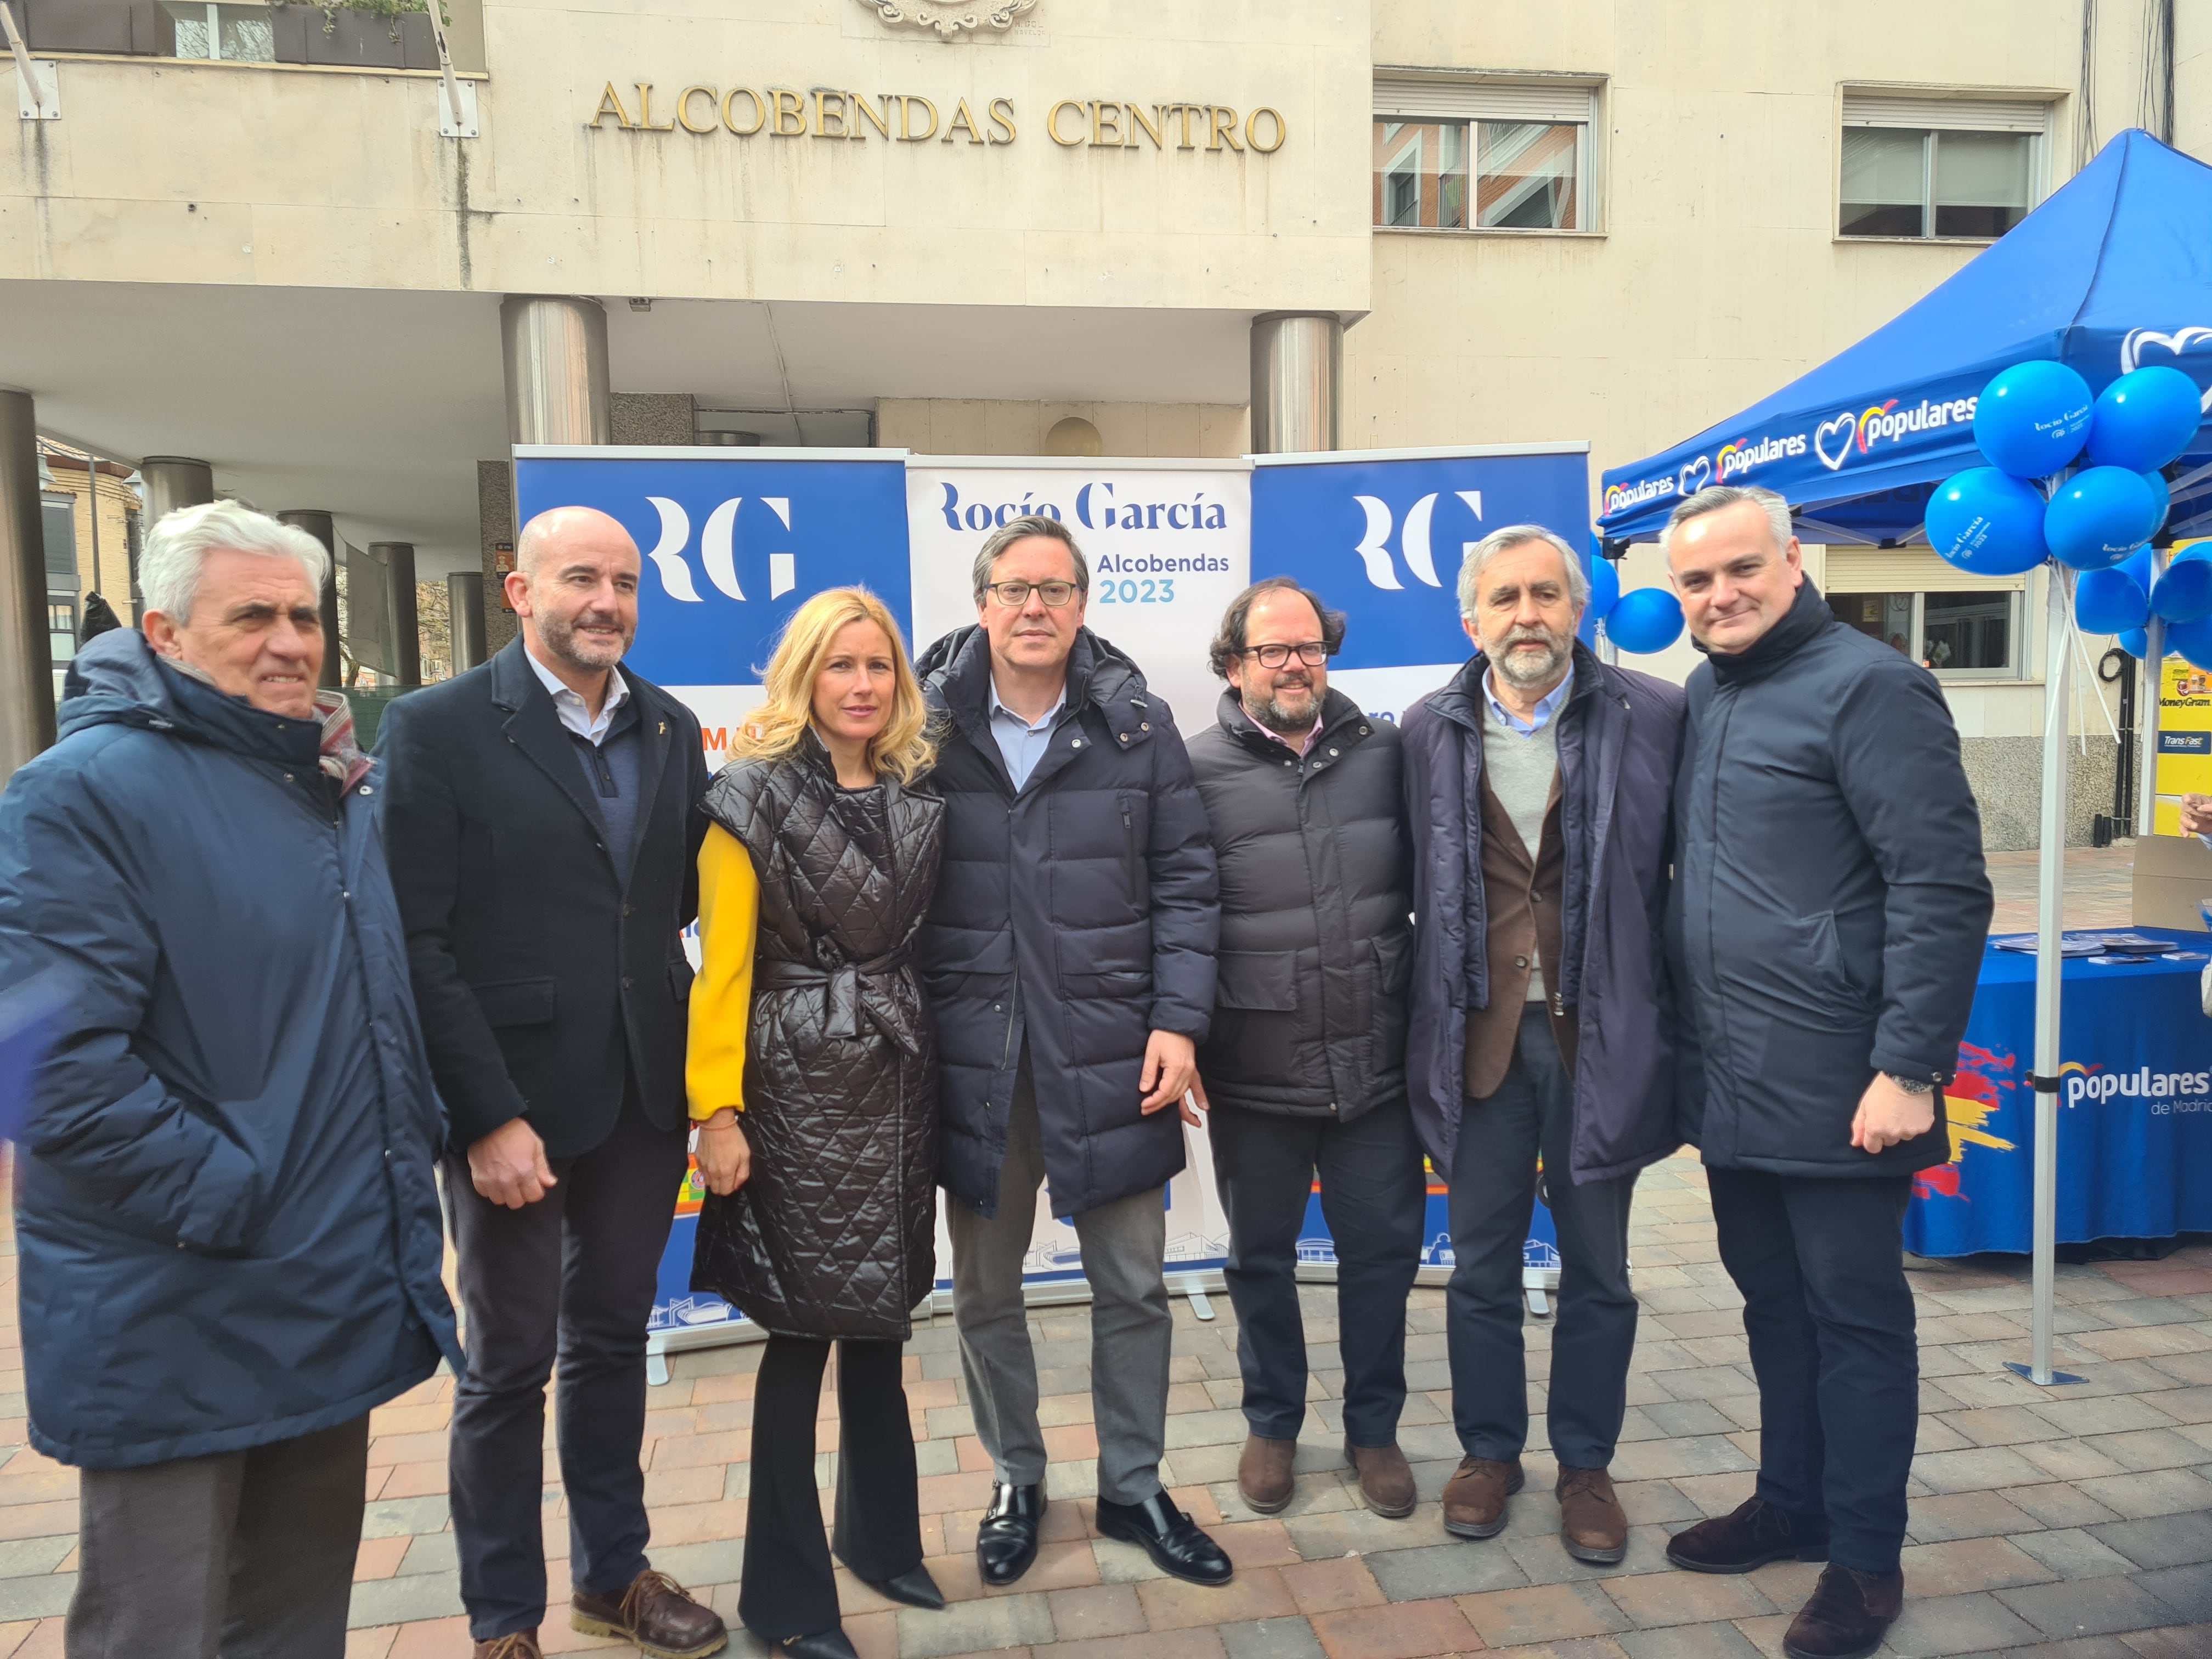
(1386, 1483)
(1848, 1614)
(1748, 1537)
(523, 1644)
(1474, 1497)
(655, 1614)
(1263, 1473)
(1592, 1524)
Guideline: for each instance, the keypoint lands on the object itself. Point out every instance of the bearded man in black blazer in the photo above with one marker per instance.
(541, 817)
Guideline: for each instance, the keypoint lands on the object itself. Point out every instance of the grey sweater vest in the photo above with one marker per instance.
(1521, 769)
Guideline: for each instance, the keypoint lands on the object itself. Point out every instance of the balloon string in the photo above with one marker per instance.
(2081, 650)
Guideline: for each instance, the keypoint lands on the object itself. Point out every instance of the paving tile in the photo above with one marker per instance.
(1655, 1599)
(1330, 1585)
(1202, 1642)
(1541, 1613)
(1965, 1515)
(1981, 1468)
(2071, 1552)
(2170, 1540)
(42, 1596)
(1271, 1638)
(1095, 1610)
(2186, 1590)
(1404, 1630)
(1455, 1568)
(1936, 1627)
(2172, 1642)
(401, 1600)
(1012, 1621)
(1712, 1641)
(2059, 1505)
(1172, 1604)
(2087, 1606)
(2157, 1492)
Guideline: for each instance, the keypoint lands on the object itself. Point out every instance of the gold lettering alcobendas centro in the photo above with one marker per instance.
(911, 119)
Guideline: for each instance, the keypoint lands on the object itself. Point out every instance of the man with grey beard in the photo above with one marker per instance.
(1541, 1048)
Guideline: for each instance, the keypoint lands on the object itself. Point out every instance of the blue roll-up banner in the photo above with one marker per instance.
(735, 542)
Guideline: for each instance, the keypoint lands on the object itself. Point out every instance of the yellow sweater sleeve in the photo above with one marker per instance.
(722, 995)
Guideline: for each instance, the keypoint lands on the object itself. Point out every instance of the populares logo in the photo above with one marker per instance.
(717, 549)
(2164, 1091)
(1373, 548)
(1745, 454)
(1618, 498)
(2148, 345)
(1837, 440)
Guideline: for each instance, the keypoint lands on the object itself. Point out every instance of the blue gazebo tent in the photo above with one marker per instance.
(2113, 272)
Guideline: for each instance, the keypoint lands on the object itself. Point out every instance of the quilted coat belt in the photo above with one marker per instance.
(854, 986)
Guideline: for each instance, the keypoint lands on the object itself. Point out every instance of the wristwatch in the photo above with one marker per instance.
(1912, 1085)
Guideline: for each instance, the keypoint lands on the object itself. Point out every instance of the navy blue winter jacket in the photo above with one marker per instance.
(1618, 737)
(228, 1229)
(1079, 916)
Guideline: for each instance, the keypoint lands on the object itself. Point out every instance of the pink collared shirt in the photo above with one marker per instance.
(1295, 749)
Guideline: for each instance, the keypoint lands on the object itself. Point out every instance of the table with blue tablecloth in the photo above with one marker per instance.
(2134, 1116)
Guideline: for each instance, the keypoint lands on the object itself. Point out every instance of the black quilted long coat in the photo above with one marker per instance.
(835, 1233)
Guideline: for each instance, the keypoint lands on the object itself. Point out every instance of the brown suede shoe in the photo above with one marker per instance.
(1474, 1497)
(1747, 1537)
(1848, 1614)
(523, 1644)
(1386, 1483)
(655, 1614)
(1263, 1472)
(1591, 1522)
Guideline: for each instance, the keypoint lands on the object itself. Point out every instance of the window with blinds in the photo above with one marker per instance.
(1463, 152)
(1963, 169)
(1961, 626)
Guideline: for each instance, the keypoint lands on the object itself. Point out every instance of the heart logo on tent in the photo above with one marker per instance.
(1694, 478)
(1840, 431)
(2181, 340)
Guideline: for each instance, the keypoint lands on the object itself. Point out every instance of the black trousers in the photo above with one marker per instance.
(249, 1553)
(788, 1589)
(1829, 1316)
(1493, 1194)
(1372, 1195)
(561, 1286)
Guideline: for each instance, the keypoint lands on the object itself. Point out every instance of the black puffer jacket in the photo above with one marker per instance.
(1316, 896)
(1830, 907)
(1078, 916)
(835, 1233)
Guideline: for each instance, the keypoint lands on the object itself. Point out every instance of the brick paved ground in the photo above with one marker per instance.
(2073, 1522)
(2099, 888)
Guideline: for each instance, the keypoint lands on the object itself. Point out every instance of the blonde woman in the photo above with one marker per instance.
(812, 1079)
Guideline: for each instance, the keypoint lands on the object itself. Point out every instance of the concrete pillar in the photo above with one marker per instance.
(1298, 373)
(27, 667)
(555, 353)
(172, 481)
(464, 612)
(319, 525)
(395, 560)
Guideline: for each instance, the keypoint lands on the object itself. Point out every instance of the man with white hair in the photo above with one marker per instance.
(1537, 789)
(543, 812)
(1826, 930)
(225, 1212)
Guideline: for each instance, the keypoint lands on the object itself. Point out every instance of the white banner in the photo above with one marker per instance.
(1169, 543)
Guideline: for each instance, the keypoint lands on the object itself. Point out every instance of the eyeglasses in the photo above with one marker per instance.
(1014, 595)
(1312, 653)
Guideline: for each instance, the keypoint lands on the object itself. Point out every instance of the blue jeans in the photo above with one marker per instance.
(1372, 1196)
(1493, 1194)
(1820, 1261)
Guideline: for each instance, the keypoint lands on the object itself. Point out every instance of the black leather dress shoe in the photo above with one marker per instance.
(1171, 1538)
(1006, 1542)
(822, 1644)
(914, 1587)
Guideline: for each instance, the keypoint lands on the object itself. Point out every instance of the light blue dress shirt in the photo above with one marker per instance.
(1548, 706)
(1021, 743)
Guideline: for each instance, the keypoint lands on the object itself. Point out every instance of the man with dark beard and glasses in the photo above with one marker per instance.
(1541, 1052)
(542, 818)
(1306, 1062)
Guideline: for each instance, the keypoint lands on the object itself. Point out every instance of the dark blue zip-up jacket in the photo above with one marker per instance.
(1078, 915)
(1619, 734)
(227, 1219)
(1831, 906)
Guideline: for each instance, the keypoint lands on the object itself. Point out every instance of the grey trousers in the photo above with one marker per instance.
(243, 1555)
(1124, 1245)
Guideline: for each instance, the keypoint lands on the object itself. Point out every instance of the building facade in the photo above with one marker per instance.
(275, 239)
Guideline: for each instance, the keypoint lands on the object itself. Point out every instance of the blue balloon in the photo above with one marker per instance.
(2099, 517)
(2141, 565)
(2193, 641)
(1645, 620)
(2137, 644)
(2033, 418)
(1988, 522)
(2184, 593)
(2109, 602)
(1604, 588)
(2144, 420)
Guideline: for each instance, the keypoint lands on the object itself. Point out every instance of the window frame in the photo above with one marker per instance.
(1932, 113)
(1471, 97)
(2016, 667)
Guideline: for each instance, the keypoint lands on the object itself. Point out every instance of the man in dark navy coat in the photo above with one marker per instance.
(1069, 959)
(542, 815)
(1824, 934)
